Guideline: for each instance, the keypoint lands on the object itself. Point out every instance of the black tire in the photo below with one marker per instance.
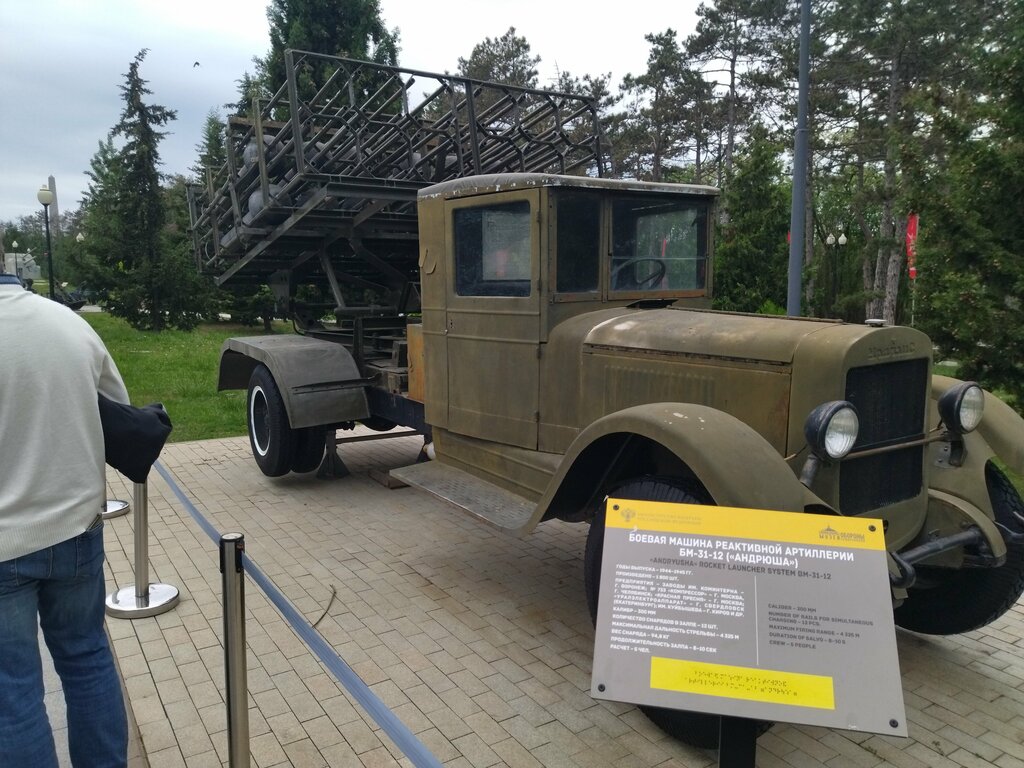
(957, 601)
(695, 728)
(378, 424)
(270, 435)
(308, 448)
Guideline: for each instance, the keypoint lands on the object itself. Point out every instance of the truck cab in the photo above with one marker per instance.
(506, 260)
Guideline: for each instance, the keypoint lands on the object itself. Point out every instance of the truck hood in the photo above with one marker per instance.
(707, 334)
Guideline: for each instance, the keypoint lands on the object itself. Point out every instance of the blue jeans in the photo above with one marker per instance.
(61, 589)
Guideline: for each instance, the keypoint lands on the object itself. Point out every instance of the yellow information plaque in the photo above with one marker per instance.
(749, 613)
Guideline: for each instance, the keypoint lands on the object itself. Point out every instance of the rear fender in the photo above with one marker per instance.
(737, 466)
(319, 380)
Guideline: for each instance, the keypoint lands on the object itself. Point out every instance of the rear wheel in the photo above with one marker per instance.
(270, 435)
(949, 601)
(308, 448)
(695, 728)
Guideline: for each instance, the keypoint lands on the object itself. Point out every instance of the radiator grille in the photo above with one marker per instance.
(890, 400)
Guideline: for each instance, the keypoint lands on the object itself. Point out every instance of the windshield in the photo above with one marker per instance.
(659, 244)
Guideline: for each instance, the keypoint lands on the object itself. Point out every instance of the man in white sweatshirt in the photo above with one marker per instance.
(52, 491)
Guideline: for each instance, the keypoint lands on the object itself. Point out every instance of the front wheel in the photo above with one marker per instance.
(956, 601)
(695, 728)
(270, 434)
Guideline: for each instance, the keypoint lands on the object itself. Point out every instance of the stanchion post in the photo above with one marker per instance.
(232, 545)
(142, 598)
(140, 500)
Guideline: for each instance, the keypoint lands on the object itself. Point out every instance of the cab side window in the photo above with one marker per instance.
(493, 252)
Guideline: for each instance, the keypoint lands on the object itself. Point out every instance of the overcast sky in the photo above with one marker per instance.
(62, 62)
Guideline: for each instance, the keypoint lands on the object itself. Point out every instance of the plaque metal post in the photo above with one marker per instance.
(737, 742)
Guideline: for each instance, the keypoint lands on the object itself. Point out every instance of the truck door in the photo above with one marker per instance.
(493, 318)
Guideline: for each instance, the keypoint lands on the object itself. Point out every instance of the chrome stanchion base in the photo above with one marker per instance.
(115, 508)
(124, 604)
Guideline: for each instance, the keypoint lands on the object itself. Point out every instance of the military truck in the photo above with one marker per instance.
(548, 330)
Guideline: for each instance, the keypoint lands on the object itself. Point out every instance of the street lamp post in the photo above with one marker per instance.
(17, 272)
(832, 242)
(45, 197)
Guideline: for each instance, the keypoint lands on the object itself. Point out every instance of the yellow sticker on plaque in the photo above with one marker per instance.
(770, 686)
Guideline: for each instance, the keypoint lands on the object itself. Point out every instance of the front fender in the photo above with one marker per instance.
(737, 466)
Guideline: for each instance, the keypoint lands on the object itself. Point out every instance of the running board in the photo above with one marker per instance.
(481, 499)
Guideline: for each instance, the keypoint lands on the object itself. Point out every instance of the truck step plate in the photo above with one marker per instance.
(479, 498)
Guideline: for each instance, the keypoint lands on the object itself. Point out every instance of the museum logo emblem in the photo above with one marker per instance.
(830, 534)
(627, 513)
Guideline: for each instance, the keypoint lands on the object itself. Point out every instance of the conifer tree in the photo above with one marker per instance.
(970, 263)
(506, 59)
(137, 262)
(211, 150)
(352, 29)
(751, 251)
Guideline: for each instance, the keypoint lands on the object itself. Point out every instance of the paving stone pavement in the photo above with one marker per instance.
(479, 642)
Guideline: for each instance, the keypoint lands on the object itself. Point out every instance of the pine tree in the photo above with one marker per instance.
(665, 112)
(885, 61)
(100, 205)
(352, 29)
(250, 88)
(135, 255)
(505, 59)
(212, 150)
(751, 259)
(971, 270)
(736, 43)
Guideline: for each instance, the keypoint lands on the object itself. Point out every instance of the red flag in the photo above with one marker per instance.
(912, 220)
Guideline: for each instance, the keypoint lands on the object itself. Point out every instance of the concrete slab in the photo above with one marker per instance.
(479, 642)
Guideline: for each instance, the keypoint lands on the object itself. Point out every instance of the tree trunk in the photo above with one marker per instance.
(809, 234)
(697, 142)
(887, 267)
(656, 159)
(731, 117)
(894, 269)
(879, 286)
(892, 284)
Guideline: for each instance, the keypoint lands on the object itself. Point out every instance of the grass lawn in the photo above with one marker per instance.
(179, 369)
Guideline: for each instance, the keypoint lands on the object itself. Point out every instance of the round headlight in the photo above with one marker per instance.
(831, 429)
(962, 406)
